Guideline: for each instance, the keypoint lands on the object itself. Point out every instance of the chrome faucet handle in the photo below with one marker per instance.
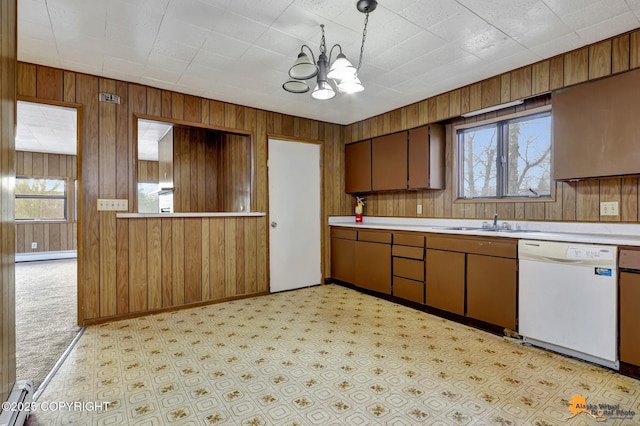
(485, 224)
(505, 225)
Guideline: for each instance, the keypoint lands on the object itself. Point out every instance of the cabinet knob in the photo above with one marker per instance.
(274, 224)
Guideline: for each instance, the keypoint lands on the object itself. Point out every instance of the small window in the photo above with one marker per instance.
(148, 197)
(508, 158)
(41, 199)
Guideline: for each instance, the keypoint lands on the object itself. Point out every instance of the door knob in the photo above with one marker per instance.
(274, 224)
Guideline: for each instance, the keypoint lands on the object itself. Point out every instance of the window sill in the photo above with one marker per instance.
(545, 199)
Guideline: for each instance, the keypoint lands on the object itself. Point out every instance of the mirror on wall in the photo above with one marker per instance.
(185, 168)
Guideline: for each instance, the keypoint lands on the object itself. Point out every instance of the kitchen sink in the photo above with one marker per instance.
(508, 230)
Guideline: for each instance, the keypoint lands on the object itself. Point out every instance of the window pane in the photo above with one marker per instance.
(43, 187)
(478, 161)
(148, 198)
(529, 156)
(40, 208)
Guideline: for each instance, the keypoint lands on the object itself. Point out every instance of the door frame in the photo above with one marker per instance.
(79, 192)
(324, 225)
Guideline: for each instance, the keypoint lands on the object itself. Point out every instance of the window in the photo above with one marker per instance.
(41, 199)
(148, 197)
(508, 158)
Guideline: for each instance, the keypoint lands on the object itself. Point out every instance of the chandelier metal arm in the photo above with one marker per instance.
(331, 51)
(310, 51)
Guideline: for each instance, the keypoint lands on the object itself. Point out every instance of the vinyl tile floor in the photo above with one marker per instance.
(323, 355)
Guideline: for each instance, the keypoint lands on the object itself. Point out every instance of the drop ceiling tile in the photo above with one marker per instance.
(135, 14)
(300, 22)
(609, 28)
(566, 7)
(263, 11)
(459, 26)
(181, 32)
(557, 46)
(240, 28)
(489, 44)
(282, 43)
(194, 12)
(593, 13)
(136, 37)
(225, 46)
(116, 64)
(426, 13)
(211, 60)
(38, 31)
(163, 62)
(175, 50)
(201, 72)
(404, 52)
(267, 59)
(35, 12)
(127, 52)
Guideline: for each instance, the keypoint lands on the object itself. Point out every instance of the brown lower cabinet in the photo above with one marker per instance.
(373, 266)
(491, 289)
(445, 281)
(629, 318)
(343, 256)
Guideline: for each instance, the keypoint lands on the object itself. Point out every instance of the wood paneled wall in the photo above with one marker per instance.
(176, 261)
(574, 201)
(50, 236)
(211, 171)
(107, 170)
(8, 40)
(147, 171)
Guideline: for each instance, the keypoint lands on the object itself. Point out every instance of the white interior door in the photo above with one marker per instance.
(294, 214)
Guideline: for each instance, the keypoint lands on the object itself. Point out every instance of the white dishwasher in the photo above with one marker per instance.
(567, 299)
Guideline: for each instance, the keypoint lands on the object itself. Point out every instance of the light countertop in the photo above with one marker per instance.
(171, 215)
(576, 232)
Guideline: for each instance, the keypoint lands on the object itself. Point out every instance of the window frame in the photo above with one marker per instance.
(500, 171)
(64, 197)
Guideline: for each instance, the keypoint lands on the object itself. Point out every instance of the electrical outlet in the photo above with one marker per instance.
(609, 208)
(34, 245)
(419, 209)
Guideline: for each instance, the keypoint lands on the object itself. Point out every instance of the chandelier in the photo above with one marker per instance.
(342, 73)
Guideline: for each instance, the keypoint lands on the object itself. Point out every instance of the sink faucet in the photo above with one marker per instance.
(495, 220)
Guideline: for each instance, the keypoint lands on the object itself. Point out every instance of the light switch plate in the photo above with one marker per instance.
(419, 209)
(609, 208)
(108, 204)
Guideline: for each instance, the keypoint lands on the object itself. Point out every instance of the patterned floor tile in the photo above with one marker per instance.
(324, 355)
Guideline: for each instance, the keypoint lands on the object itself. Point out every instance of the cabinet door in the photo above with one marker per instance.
(629, 318)
(373, 266)
(343, 259)
(389, 162)
(445, 281)
(491, 290)
(357, 158)
(426, 157)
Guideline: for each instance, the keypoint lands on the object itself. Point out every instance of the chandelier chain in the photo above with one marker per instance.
(323, 45)
(364, 37)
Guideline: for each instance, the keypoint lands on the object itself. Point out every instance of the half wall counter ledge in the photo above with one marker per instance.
(193, 214)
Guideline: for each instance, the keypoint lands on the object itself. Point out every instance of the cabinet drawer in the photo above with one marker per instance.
(499, 247)
(410, 252)
(629, 259)
(375, 237)
(414, 240)
(346, 234)
(408, 289)
(408, 268)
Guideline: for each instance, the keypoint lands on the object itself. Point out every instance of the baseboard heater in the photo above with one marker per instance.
(21, 397)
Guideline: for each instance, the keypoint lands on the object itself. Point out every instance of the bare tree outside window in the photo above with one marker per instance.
(40, 199)
(509, 158)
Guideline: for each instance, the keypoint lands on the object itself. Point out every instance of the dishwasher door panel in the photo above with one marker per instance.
(569, 306)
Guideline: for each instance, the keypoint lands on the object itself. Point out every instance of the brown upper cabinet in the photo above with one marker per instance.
(357, 157)
(426, 157)
(411, 159)
(389, 162)
(596, 129)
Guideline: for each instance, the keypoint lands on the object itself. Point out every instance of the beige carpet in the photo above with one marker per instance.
(46, 315)
(321, 356)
